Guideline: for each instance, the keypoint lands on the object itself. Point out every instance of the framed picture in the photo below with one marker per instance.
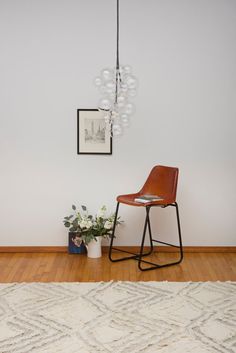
(93, 136)
(75, 244)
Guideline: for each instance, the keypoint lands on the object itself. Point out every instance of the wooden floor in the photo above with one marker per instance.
(62, 267)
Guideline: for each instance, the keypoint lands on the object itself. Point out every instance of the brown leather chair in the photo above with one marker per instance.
(162, 181)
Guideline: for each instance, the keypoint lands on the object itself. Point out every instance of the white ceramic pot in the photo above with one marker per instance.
(94, 248)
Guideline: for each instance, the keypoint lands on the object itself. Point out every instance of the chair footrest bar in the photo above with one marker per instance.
(124, 258)
(162, 242)
(127, 252)
(137, 258)
(134, 257)
(157, 265)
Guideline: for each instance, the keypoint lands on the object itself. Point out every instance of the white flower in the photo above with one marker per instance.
(85, 223)
(102, 212)
(108, 225)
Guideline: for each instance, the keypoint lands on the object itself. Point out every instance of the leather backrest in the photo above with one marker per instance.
(162, 181)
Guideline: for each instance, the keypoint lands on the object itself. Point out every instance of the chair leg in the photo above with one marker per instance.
(155, 265)
(134, 256)
(150, 235)
(146, 223)
(179, 232)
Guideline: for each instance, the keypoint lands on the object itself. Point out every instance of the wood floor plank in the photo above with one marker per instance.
(63, 267)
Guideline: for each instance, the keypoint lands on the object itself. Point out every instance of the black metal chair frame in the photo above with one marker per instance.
(139, 257)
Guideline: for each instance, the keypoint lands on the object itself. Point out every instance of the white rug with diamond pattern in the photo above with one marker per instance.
(127, 317)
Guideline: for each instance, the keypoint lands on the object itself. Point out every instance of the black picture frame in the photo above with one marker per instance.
(93, 136)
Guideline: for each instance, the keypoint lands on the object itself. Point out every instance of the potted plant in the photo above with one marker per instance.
(90, 229)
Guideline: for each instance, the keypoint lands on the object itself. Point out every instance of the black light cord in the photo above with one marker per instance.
(117, 48)
(117, 34)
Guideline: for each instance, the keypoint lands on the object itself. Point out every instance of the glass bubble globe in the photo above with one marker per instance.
(107, 74)
(105, 104)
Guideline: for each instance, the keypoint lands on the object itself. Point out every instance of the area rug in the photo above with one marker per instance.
(127, 317)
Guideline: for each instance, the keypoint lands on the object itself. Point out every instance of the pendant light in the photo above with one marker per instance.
(118, 86)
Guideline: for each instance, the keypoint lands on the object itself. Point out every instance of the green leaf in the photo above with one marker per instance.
(84, 208)
(67, 224)
(73, 207)
(75, 223)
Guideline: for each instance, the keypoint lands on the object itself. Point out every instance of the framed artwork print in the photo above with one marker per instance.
(93, 136)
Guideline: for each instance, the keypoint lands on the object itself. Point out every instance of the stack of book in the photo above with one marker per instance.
(147, 198)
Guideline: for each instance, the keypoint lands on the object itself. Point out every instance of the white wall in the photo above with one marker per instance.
(184, 53)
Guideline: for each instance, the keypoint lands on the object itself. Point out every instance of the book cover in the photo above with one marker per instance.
(148, 198)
